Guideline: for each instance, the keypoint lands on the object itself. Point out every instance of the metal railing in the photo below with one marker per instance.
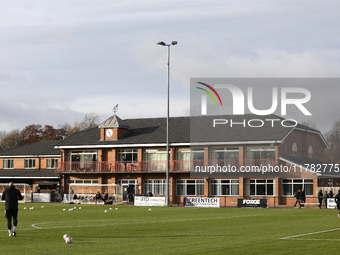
(155, 165)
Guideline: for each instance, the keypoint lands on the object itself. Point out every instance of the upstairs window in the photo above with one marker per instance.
(51, 162)
(8, 163)
(30, 163)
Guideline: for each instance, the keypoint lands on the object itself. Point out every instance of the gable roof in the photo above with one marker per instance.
(189, 131)
(37, 149)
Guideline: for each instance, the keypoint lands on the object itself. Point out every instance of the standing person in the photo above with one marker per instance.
(325, 197)
(320, 196)
(331, 194)
(298, 197)
(303, 197)
(337, 201)
(11, 195)
(98, 196)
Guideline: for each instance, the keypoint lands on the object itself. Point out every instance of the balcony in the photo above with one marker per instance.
(155, 166)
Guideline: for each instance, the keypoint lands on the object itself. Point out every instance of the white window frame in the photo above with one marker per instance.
(8, 163)
(30, 163)
(50, 163)
(221, 184)
(298, 182)
(259, 182)
(156, 186)
(187, 183)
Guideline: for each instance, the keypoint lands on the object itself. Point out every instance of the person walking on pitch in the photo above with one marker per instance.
(11, 195)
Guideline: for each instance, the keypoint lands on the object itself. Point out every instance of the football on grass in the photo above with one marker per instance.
(68, 240)
(66, 236)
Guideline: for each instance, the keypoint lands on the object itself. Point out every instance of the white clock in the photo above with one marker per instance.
(109, 132)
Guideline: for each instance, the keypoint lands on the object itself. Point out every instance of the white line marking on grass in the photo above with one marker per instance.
(306, 239)
(312, 233)
(35, 227)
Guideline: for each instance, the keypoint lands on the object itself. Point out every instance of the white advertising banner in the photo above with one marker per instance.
(41, 197)
(201, 202)
(331, 203)
(149, 201)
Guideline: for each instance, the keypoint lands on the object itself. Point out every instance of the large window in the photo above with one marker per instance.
(225, 156)
(224, 187)
(188, 158)
(85, 159)
(290, 186)
(157, 187)
(30, 163)
(8, 163)
(260, 156)
(190, 187)
(51, 163)
(260, 187)
(128, 154)
(155, 159)
(265, 152)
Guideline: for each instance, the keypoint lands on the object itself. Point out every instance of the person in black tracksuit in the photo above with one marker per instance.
(11, 195)
(337, 201)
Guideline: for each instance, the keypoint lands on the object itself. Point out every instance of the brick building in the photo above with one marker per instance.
(132, 153)
(33, 164)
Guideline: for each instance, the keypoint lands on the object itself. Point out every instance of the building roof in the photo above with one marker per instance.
(190, 130)
(114, 122)
(311, 165)
(37, 149)
(28, 173)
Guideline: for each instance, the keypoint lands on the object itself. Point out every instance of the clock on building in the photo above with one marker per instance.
(109, 132)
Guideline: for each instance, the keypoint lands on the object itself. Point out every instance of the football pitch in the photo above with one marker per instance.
(171, 230)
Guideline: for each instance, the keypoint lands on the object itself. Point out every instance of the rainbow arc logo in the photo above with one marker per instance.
(209, 93)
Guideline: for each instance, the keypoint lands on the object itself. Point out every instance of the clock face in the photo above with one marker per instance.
(109, 132)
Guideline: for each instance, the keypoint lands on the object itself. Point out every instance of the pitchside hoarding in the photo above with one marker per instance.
(331, 203)
(149, 201)
(252, 203)
(201, 202)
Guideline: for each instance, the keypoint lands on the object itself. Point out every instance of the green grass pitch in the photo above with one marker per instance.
(171, 230)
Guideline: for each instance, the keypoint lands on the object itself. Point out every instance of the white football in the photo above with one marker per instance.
(69, 240)
(66, 236)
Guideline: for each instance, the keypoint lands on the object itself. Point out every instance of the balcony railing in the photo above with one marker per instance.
(156, 165)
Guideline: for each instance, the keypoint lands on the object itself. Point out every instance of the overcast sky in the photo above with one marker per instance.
(62, 59)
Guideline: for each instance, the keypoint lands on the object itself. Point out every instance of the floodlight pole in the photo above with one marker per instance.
(167, 202)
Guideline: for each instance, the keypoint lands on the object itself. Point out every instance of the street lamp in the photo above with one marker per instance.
(167, 125)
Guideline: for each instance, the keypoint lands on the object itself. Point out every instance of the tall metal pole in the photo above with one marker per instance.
(167, 126)
(167, 135)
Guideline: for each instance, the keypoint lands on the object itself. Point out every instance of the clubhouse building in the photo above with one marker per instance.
(268, 161)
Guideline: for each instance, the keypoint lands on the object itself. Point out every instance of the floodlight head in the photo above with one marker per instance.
(174, 42)
(162, 43)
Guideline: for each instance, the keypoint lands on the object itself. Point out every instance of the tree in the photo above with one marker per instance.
(90, 120)
(35, 133)
(9, 140)
(31, 134)
(333, 139)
